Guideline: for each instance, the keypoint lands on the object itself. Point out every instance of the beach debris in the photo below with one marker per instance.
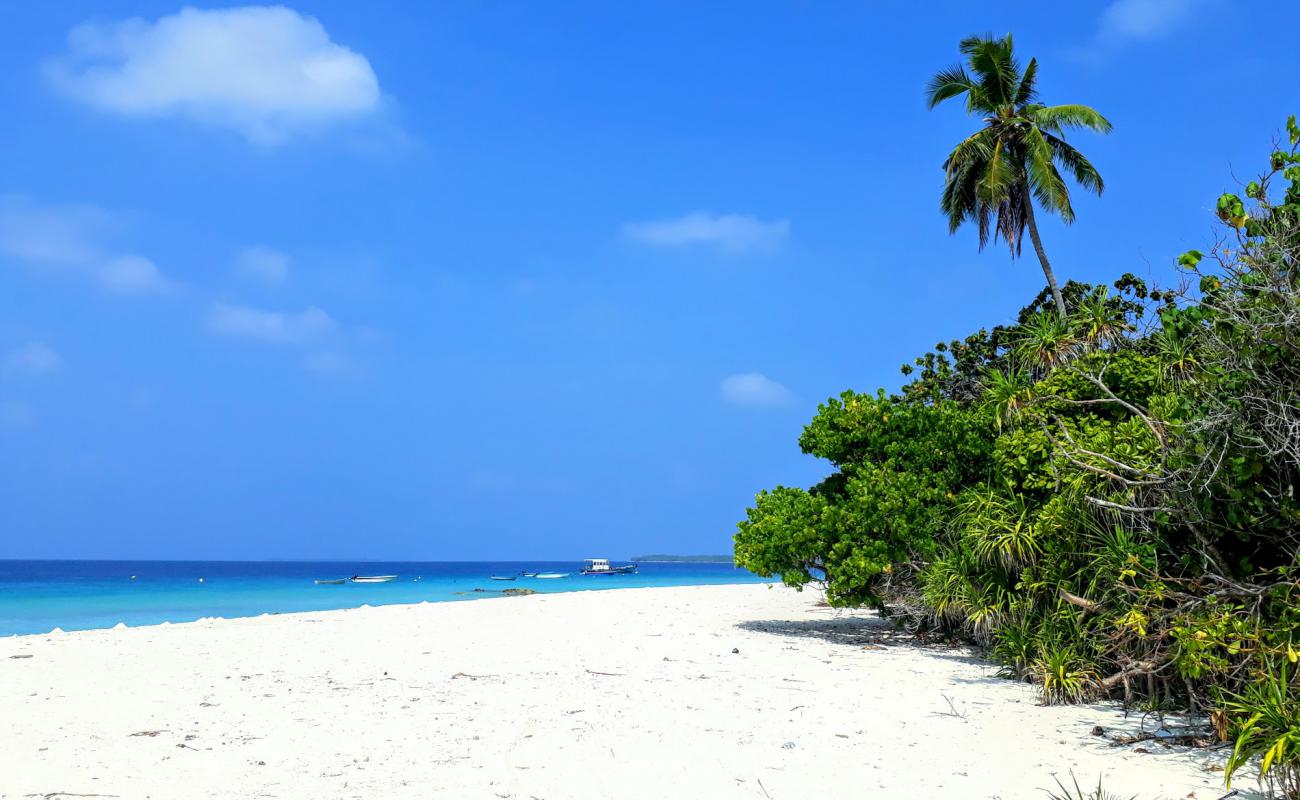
(952, 711)
(50, 795)
(735, 649)
(1191, 737)
(471, 677)
(150, 734)
(788, 746)
(611, 674)
(22, 655)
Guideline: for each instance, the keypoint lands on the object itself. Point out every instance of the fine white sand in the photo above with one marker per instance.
(634, 693)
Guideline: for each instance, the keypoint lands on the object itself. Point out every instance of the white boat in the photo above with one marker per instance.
(552, 574)
(373, 578)
(330, 581)
(503, 577)
(601, 566)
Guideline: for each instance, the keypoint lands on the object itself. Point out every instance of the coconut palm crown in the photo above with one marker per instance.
(994, 176)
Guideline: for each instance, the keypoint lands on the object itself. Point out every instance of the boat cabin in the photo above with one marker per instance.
(595, 565)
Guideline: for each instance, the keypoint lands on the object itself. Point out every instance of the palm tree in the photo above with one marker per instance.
(994, 176)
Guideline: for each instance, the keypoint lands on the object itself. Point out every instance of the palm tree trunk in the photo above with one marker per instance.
(1042, 257)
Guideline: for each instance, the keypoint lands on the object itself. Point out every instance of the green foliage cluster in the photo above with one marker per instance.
(1108, 500)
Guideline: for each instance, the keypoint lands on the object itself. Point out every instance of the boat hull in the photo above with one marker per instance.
(628, 570)
(373, 578)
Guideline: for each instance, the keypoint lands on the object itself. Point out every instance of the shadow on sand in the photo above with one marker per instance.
(857, 630)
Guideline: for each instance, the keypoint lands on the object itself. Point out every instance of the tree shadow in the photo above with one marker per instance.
(870, 632)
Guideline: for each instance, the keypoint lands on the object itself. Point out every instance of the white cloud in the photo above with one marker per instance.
(132, 274)
(51, 234)
(75, 241)
(270, 326)
(267, 72)
(754, 389)
(728, 233)
(263, 264)
(1141, 19)
(16, 415)
(33, 358)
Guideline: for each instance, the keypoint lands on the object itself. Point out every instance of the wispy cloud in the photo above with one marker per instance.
(75, 241)
(263, 264)
(728, 233)
(32, 358)
(290, 327)
(132, 274)
(754, 389)
(1142, 19)
(68, 234)
(1123, 22)
(267, 72)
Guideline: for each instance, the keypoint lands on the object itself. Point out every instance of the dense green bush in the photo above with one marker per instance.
(1108, 500)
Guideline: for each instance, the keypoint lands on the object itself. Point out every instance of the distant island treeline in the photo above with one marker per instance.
(725, 559)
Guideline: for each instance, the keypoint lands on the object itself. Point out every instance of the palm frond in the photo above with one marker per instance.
(1012, 217)
(976, 147)
(1076, 164)
(949, 83)
(1028, 90)
(1057, 118)
(994, 66)
(1000, 174)
(1046, 183)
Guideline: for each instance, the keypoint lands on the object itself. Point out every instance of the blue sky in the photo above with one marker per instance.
(469, 280)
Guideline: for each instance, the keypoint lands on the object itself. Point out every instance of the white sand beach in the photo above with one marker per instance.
(699, 692)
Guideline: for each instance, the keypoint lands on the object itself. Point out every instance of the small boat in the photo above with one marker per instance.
(528, 574)
(373, 578)
(502, 577)
(600, 566)
(552, 574)
(331, 581)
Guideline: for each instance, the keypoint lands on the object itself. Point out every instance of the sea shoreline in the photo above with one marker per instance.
(37, 597)
(470, 596)
(745, 691)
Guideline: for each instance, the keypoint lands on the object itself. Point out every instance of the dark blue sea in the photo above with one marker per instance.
(38, 596)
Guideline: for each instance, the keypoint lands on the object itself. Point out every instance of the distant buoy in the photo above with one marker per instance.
(200, 580)
(132, 577)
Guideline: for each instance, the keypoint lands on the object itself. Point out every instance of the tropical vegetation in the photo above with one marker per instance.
(1105, 494)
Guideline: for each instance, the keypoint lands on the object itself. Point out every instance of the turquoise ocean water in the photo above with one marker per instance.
(37, 596)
